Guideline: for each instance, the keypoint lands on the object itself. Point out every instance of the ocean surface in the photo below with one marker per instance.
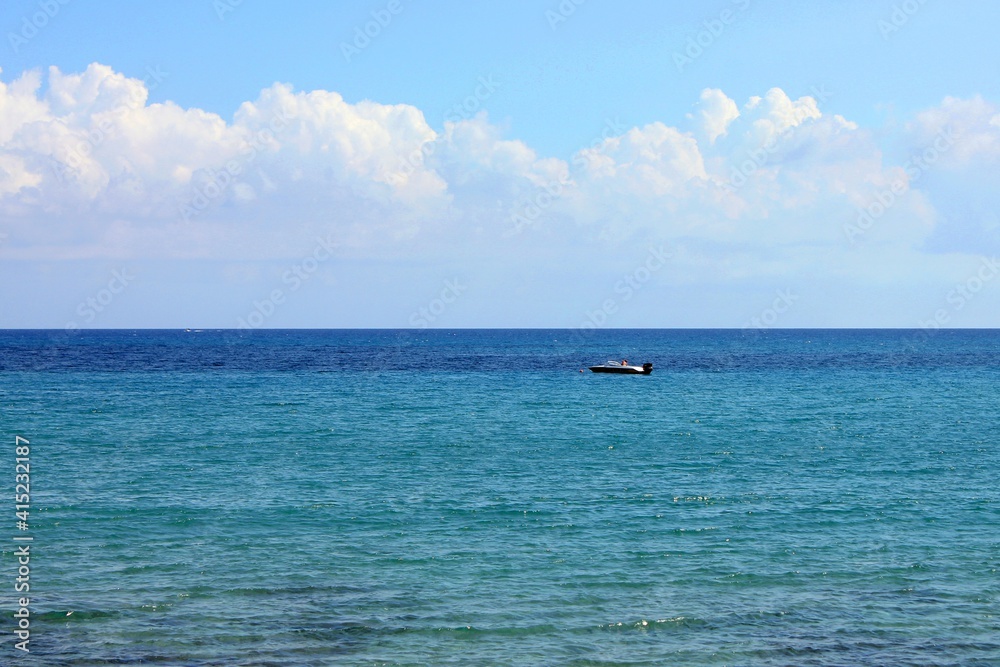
(469, 497)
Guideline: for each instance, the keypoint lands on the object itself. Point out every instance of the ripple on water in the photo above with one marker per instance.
(750, 503)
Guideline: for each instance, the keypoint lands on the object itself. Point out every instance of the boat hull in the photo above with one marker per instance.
(623, 370)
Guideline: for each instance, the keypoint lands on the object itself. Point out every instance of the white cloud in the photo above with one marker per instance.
(776, 112)
(781, 175)
(971, 126)
(655, 159)
(15, 176)
(716, 111)
(19, 104)
(90, 150)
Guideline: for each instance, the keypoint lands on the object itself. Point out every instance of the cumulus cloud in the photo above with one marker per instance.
(778, 174)
(88, 167)
(715, 112)
(90, 150)
(971, 127)
(776, 112)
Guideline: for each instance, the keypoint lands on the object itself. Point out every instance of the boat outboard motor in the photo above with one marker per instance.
(647, 368)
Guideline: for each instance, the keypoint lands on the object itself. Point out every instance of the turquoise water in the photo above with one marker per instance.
(471, 498)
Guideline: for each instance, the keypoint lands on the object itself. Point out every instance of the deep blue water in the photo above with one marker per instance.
(471, 498)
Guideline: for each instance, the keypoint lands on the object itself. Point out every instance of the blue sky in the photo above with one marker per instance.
(725, 163)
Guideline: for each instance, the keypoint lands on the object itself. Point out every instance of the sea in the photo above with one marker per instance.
(478, 497)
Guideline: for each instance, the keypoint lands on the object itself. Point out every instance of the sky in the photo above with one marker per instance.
(541, 163)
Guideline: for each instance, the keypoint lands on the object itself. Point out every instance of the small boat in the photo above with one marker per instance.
(623, 367)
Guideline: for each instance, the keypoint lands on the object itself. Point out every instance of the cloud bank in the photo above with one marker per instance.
(90, 169)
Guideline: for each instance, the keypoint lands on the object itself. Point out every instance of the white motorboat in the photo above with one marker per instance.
(623, 367)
